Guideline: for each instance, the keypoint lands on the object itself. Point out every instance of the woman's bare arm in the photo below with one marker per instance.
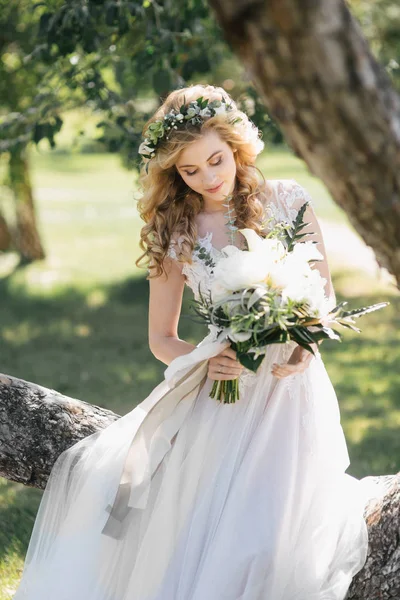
(164, 311)
(165, 305)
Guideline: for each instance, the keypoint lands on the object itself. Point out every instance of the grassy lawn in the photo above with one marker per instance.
(77, 322)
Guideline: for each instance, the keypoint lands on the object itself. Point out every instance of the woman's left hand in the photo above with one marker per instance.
(297, 363)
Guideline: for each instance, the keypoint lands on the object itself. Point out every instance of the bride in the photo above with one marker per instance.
(186, 497)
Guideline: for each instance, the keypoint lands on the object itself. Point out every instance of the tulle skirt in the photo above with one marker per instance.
(187, 498)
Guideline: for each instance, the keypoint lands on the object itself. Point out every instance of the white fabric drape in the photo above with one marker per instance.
(190, 498)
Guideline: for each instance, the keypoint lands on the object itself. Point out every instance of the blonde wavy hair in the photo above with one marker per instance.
(168, 205)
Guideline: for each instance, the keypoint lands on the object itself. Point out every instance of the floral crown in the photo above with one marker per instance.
(194, 113)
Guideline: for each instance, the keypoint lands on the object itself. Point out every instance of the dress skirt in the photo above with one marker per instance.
(187, 498)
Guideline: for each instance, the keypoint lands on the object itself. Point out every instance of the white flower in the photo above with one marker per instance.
(267, 264)
(269, 246)
(220, 109)
(237, 271)
(306, 251)
(144, 148)
(238, 336)
(179, 117)
(191, 112)
(218, 291)
(309, 287)
(205, 112)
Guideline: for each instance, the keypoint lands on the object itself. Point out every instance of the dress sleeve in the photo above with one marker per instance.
(298, 195)
(286, 201)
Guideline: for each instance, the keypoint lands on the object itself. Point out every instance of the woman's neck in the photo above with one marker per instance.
(213, 211)
(211, 206)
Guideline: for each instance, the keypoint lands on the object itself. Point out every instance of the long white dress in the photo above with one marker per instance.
(187, 498)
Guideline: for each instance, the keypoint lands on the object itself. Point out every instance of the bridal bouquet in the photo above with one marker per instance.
(270, 294)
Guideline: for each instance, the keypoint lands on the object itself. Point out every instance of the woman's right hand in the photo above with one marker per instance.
(225, 365)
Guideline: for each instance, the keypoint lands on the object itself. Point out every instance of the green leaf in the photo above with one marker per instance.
(297, 226)
(294, 335)
(304, 334)
(338, 306)
(249, 362)
(358, 312)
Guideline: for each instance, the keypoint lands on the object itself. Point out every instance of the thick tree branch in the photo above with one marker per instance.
(37, 424)
(333, 101)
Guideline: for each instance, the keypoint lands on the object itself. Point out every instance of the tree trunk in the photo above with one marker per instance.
(27, 238)
(380, 577)
(333, 101)
(5, 235)
(37, 424)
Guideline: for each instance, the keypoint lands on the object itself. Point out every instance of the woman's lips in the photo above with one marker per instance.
(215, 189)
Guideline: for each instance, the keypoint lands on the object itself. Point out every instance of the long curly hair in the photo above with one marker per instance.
(168, 205)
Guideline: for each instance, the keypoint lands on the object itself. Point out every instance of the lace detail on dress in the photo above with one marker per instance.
(246, 379)
(287, 192)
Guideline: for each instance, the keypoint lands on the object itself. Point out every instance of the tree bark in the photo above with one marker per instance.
(334, 103)
(27, 238)
(379, 579)
(37, 424)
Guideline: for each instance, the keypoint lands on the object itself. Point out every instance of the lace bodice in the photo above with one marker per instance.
(205, 255)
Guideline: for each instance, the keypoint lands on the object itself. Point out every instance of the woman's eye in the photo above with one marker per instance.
(212, 164)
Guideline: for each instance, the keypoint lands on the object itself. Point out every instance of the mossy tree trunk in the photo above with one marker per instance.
(27, 238)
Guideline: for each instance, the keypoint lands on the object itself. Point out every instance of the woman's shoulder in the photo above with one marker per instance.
(288, 191)
(284, 187)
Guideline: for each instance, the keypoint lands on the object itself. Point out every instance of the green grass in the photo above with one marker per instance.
(77, 322)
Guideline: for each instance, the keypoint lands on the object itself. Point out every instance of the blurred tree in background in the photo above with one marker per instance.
(18, 85)
(380, 22)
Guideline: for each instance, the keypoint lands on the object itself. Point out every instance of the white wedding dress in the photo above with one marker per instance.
(187, 498)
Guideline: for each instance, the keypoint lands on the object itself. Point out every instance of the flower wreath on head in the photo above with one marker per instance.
(194, 113)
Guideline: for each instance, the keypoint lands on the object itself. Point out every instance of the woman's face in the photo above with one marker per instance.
(208, 167)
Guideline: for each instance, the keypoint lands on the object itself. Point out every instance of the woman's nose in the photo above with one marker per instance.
(210, 179)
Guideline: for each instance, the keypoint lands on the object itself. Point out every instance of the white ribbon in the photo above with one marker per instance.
(164, 411)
